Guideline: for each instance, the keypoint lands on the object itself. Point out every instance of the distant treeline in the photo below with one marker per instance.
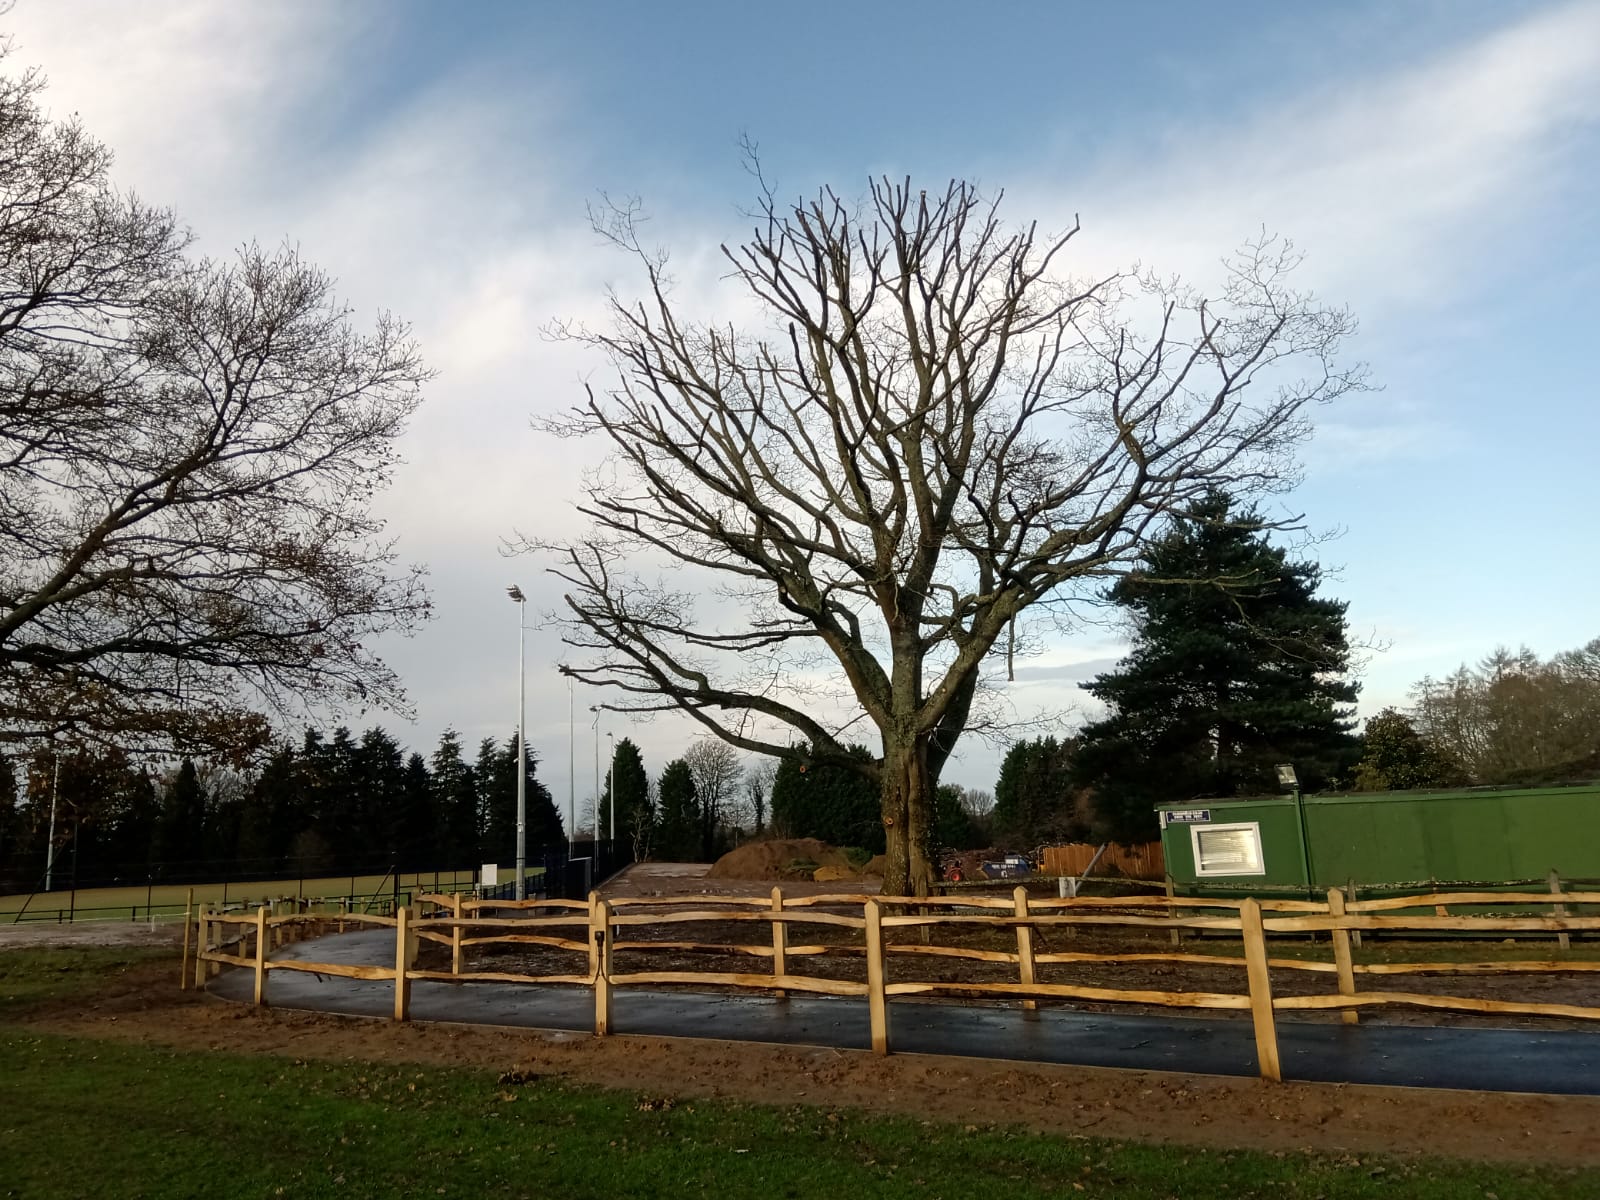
(332, 805)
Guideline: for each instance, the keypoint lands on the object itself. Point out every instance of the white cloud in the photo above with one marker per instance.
(1401, 189)
(456, 208)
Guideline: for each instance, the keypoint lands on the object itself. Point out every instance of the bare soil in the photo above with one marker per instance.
(142, 1004)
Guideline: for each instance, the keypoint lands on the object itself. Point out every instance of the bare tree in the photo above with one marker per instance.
(758, 779)
(188, 451)
(977, 803)
(714, 766)
(1515, 716)
(936, 432)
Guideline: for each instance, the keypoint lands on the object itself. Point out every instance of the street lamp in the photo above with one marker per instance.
(572, 775)
(598, 712)
(515, 593)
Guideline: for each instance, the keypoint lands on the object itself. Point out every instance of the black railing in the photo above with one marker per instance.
(552, 872)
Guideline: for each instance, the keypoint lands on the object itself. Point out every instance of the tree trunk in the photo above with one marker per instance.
(907, 802)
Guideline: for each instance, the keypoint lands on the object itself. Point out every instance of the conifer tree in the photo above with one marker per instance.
(456, 803)
(678, 827)
(1237, 665)
(630, 783)
(1034, 796)
(827, 802)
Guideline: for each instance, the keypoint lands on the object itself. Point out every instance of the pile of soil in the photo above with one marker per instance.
(789, 858)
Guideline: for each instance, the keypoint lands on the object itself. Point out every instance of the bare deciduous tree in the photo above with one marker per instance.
(758, 777)
(188, 452)
(714, 766)
(935, 432)
(1514, 715)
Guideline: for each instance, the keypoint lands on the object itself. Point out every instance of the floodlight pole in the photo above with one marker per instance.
(572, 772)
(50, 838)
(595, 709)
(515, 593)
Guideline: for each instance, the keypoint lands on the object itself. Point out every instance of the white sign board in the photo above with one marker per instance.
(489, 875)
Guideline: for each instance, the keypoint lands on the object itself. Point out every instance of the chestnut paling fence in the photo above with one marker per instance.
(601, 935)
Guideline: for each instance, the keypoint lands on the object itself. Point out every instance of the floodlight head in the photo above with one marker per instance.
(1286, 776)
(516, 593)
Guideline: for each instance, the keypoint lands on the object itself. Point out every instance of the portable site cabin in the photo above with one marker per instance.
(1405, 841)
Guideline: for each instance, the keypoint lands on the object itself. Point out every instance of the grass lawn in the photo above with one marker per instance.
(80, 1117)
(167, 900)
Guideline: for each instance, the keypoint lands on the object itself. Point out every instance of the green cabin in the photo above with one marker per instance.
(1404, 841)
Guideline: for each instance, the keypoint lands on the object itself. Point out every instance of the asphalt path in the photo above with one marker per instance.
(1512, 1060)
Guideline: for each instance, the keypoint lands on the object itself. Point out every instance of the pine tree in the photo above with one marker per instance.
(456, 803)
(678, 826)
(378, 786)
(417, 821)
(496, 776)
(953, 826)
(1237, 665)
(630, 783)
(833, 804)
(1034, 796)
(183, 811)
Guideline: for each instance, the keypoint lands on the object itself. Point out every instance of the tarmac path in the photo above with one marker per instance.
(1556, 1061)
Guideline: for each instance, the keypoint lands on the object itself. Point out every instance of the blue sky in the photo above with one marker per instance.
(1436, 162)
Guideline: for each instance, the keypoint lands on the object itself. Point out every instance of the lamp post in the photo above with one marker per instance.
(595, 709)
(572, 773)
(515, 593)
(50, 838)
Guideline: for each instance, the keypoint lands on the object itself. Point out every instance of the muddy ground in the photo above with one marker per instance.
(141, 1003)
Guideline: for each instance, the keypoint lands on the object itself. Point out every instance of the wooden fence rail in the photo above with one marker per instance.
(597, 931)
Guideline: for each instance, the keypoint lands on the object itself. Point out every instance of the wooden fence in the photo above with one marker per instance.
(1143, 860)
(596, 932)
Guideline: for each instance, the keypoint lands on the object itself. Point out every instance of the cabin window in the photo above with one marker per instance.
(1227, 849)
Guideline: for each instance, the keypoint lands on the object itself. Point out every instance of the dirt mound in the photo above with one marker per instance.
(795, 858)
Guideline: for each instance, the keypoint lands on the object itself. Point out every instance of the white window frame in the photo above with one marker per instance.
(1253, 828)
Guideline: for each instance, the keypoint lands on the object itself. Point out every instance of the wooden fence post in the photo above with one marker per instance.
(188, 916)
(1350, 897)
(455, 934)
(780, 942)
(600, 957)
(200, 950)
(1341, 956)
(1563, 938)
(1024, 944)
(261, 956)
(405, 957)
(1175, 935)
(1255, 961)
(877, 1002)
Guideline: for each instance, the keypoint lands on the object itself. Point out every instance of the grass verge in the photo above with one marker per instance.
(81, 1117)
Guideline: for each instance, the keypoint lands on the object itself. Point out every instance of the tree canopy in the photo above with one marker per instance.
(1515, 718)
(1237, 665)
(1035, 798)
(678, 814)
(342, 803)
(188, 452)
(628, 781)
(831, 803)
(929, 429)
(1394, 756)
